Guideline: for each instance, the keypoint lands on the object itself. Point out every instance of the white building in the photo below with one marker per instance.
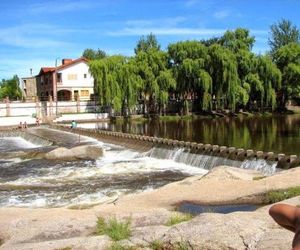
(68, 82)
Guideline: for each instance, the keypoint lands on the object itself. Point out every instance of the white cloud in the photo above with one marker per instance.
(221, 14)
(191, 3)
(34, 36)
(165, 31)
(61, 6)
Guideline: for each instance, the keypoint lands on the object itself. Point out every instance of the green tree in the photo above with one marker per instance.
(10, 88)
(288, 61)
(223, 70)
(283, 33)
(107, 87)
(91, 54)
(238, 39)
(189, 60)
(147, 43)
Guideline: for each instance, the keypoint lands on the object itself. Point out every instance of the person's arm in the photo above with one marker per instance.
(284, 215)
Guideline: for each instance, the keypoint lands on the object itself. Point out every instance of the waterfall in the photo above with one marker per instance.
(208, 160)
(37, 140)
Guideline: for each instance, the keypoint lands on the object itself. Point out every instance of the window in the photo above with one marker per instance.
(84, 76)
(58, 77)
(84, 93)
(72, 76)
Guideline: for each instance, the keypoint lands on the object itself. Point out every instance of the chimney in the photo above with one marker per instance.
(30, 72)
(66, 61)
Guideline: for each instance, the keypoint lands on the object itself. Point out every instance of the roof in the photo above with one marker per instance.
(81, 59)
(45, 70)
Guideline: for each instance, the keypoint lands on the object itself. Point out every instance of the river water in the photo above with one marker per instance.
(280, 133)
(44, 183)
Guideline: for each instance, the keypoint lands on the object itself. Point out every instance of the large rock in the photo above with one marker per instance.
(60, 154)
(85, 152)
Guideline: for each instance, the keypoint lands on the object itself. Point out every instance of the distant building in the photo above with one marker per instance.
(70, 81)
(28, 86)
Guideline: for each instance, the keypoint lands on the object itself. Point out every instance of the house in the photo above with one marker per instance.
(28, 86)
(70, 81)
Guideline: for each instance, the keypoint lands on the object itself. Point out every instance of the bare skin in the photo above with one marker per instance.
(288, 217)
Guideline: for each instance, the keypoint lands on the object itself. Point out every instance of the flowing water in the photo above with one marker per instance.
(44, 183)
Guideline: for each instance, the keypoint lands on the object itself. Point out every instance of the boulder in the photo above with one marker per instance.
(84, 152)
(89, 152)
(60, 154)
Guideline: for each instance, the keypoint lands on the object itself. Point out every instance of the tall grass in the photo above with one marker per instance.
(114, 229)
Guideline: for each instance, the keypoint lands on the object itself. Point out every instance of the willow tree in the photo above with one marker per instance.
(288, 61)
(107, 88)
(270, 75)
(166, 82)
(130, 84)
(189, 61)
(223, 70)
(156, 78)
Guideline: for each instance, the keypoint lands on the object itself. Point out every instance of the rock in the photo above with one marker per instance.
(231, 173)
(60, 154)
(87, 152)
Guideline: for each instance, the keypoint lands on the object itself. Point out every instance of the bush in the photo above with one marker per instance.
(114, 229)
(178, 218)
(279, 195)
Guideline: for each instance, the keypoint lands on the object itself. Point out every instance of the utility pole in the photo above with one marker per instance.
(56, 90)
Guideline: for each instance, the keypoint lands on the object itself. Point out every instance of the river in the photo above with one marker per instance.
(278, 133)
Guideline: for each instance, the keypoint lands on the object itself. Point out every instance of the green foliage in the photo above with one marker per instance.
(283, 33)
(222, 73)
(10, 88)
(159, 245)
(114, 229)
(279, 195)
(178, 218)
(91, 54)
(146, 44)
(117, 246)
(156, 245)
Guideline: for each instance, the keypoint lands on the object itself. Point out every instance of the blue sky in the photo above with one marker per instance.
(34, 33)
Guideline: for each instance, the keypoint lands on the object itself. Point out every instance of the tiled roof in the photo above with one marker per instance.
(72, 62)
(45, 70)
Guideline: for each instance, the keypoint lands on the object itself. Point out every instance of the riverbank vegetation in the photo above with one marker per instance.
(113, 228)
(216, 74)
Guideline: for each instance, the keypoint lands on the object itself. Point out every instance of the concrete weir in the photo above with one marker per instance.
(143, 143)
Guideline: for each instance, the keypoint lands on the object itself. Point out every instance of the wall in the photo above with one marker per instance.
(79, 69)
(45, 109)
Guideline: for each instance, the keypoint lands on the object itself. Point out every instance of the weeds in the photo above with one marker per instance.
(279, 195)
(257, 178)
(114, 229)
(178, 218)
(117, 246)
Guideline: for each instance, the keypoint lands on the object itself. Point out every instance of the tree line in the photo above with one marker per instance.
(217, 73)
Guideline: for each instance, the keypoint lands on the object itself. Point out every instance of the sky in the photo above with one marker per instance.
(35, 34)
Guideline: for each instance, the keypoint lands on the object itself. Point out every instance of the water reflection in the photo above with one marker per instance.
(279, 133)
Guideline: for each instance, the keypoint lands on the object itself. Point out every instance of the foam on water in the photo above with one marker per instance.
(15, 143)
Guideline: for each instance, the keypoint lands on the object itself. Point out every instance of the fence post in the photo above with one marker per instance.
(50, 106)
(37, 108)
(7, 106)
(78, 104)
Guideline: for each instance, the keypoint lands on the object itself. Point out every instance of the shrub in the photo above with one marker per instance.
(279, 195)
(178, 218)
(114, 229)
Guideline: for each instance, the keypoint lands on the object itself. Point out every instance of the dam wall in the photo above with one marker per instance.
(143, 143)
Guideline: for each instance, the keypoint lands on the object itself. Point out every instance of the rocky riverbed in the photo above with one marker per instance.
(58, 228)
